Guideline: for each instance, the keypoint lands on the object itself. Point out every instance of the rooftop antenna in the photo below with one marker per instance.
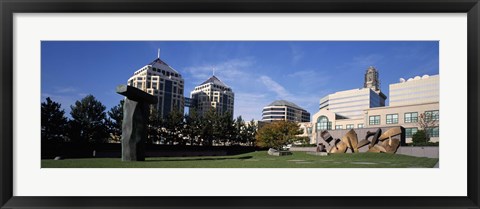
(158, 55)
(213, 69)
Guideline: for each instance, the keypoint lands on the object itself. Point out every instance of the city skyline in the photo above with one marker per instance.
(259, 72)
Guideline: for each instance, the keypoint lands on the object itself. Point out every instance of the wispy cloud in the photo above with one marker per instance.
(66, 96)
(229, 70)
(65, 100)
(430, 67)
(62, 90)
(362, 62)
(274, 86)
(297, 53)
(311, 78)
(367, 60)
(304, 99)
(249, 105)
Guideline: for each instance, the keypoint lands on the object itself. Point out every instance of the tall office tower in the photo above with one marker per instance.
(417, 90)
(159, 79)
(212, 93)
(351, 103)
(284, 110)
(371, 79)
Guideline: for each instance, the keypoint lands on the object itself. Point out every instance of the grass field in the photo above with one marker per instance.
(255, 160)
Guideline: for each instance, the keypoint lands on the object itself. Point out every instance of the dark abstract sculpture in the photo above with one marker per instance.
(134, 125)
(379, 143)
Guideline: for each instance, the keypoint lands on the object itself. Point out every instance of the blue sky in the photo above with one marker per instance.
(259, 72)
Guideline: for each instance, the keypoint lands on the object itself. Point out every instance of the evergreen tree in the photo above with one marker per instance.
(53, 121)
(192, 127)
(208, 127)
(251, 132)
(173, 125)
(114, 122)
(226, 129)
(154, 126)
(88, 121)
(240, 131)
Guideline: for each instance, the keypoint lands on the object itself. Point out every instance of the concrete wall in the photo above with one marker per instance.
(430, 152)
(303, 149)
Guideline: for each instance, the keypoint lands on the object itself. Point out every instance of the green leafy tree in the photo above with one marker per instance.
(114, 121)
(88, 122)
(53, 121)
(277, 134)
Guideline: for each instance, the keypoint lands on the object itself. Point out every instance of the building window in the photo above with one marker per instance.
(338, 127)
(433, 132)
(392, 118)
(432, 115)
(374, 120)
(409, 132)
(411, 117)
(323, 123)
(349, 126)
(360, 125)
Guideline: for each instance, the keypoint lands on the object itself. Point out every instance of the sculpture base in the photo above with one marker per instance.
(318, 153)
(275, 152)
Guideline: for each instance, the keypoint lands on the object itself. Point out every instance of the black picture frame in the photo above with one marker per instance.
(9, 7)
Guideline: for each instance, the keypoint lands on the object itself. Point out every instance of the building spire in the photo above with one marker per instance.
(213, 69)
(158, 55)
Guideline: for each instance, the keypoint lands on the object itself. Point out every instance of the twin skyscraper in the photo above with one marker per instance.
(164, 82)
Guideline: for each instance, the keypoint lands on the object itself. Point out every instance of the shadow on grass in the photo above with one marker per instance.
(199, 159)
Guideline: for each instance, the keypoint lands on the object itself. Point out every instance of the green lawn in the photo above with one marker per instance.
(255, 160)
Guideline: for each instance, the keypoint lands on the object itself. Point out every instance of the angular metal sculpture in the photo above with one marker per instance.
(379, 142)
(384, 142)
(338, 147)
(375, 135)
(134, 125)
(351, 140)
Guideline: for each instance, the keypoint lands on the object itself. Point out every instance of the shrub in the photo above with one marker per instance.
(421, 139)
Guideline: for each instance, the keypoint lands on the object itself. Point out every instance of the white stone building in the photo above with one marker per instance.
(417, 90)
(284, 110)
(412, 99)
(351, 103)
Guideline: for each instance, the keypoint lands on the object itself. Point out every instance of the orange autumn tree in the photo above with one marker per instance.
(277, 134)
